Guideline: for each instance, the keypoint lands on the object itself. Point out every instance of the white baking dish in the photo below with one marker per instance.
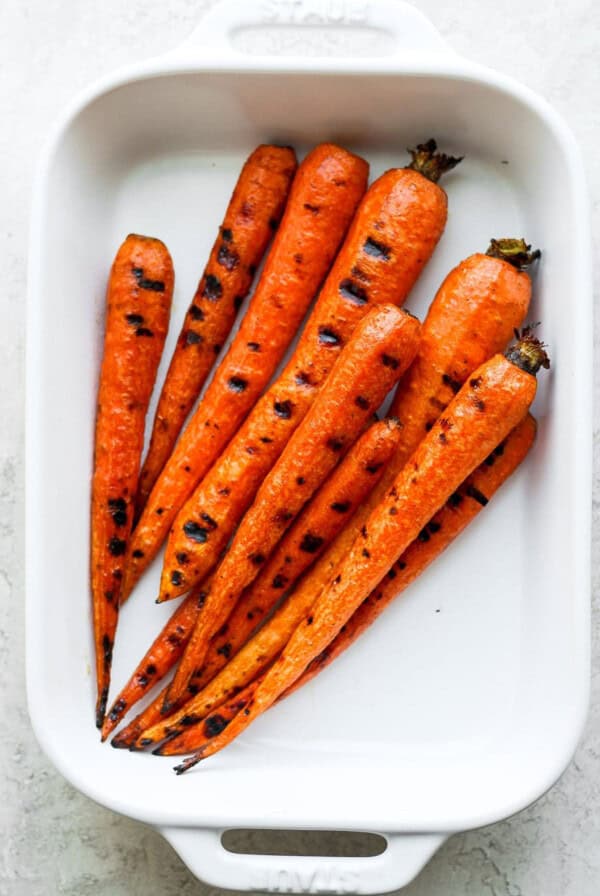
(465, 702)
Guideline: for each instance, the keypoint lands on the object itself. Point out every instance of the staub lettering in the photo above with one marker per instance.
(314, 12)
(327, 879)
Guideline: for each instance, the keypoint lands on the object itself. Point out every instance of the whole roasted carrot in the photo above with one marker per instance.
(159, 659)
(381, 348)
(483, 412)
(460, 509)
(316, 527)
(326, 191)
(394, 233)
(252, 215)
(138, 300)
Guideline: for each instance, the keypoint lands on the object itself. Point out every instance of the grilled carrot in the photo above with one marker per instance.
(199, 733)
(161, 656)
(326, 191)
(381, 348)
(460, 509)
(252, 215)
(138, 300)
(318, 524)
(394, 233)
(474, 315)
(480, 416)
(447, 524)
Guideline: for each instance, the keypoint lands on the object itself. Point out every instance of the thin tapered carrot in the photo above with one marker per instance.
(326, 191)
(460, 509)
(393, 235)
(316, 527)
(252, 215)
(138, 299)
(381, 348)
(481, 415)
(159, 659)
(200, 732)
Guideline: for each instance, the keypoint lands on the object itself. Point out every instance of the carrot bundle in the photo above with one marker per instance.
(252, 215)
(265, 646)
(482, 413)
(316, 527)
(138, 299)
(324, 196)
(381, 348)
(393, 235)
(456, 514)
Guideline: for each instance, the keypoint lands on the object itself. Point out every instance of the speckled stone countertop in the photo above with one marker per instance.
(52, 839)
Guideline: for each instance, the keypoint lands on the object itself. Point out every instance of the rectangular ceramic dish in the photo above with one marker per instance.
(481, 670)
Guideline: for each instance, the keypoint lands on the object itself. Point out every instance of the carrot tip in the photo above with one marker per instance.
(101, 707)
(119, 744)
(430, 163)
(187, 764)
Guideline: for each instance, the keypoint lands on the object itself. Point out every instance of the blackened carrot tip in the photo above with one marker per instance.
(430, 163)
(101, 707)
(119, 744)
(514, 251)
(187, 764)
(528, 353)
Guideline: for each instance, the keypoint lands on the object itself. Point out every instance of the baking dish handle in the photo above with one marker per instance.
(321, 29)
(203, 853)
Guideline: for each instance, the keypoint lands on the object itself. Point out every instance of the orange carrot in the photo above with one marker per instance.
(459, 510)
(483, 412)
(252, 215)
(161, 656)
(381, 348)
(326, 190)
(318, 524)
(394, 233)
(138, 300)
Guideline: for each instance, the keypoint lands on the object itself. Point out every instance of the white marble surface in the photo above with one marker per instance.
(52, 839)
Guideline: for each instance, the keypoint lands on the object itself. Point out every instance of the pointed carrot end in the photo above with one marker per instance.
(101, 706)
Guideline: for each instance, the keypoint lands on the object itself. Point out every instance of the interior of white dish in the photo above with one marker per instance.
(464, 700)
